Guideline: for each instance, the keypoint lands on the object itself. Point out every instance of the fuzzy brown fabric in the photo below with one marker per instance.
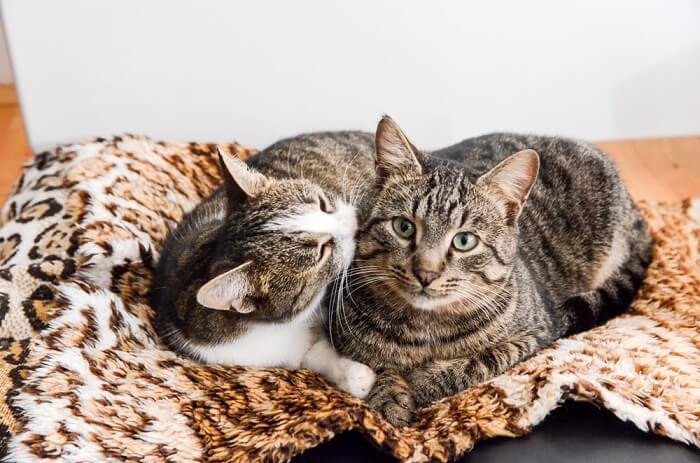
(93, 383)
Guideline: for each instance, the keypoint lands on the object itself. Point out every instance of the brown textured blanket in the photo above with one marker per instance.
(86, 379)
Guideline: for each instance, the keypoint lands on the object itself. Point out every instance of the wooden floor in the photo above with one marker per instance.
(664, 169)
(14, 150)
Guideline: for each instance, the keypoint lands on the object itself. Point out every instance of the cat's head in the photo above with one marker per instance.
(283, 242)
(431, 238)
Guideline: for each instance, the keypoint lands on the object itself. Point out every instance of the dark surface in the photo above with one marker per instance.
(577, 432)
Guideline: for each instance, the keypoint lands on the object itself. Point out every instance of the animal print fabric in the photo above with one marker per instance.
(84, 378)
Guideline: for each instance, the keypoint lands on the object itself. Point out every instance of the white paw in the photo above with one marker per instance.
(356, 378)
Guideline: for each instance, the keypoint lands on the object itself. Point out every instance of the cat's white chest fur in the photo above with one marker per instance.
(293, 344)
(263, 345)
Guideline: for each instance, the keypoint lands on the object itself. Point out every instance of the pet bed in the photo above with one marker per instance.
(85, 378)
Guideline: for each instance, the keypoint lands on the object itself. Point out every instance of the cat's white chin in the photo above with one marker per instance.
(423, 301)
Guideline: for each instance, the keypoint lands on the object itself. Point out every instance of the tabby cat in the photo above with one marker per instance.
(469, 260)
(241, 279)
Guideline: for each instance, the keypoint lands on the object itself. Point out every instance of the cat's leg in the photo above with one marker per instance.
(392, 397)
(442, 378)
(350, 376)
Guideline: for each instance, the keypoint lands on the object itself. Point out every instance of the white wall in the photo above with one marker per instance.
(255, 71)
(5, 67)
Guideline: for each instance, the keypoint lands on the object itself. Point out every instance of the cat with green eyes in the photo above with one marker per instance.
(472, 258)
(462, 262)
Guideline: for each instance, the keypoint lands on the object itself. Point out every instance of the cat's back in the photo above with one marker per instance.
(333, 146)
(575, 180)
(578, 211)
(565, 163)
(336, 160)
(578, 189)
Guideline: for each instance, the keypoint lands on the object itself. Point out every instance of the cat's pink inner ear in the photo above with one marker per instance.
(395, 154)
(239, 179)
(228, 291)
(514, 176)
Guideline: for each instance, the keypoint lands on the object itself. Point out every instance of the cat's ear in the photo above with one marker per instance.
(228, 291)
(512, 178)
(395, 154)
(241, 182)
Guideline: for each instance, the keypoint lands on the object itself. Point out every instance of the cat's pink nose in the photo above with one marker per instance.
(425, 276)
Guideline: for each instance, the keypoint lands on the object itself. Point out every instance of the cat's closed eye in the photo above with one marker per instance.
(325, 247)
(325, 205)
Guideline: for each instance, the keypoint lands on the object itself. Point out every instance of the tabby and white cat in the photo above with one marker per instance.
(241, 279)
(468, 261)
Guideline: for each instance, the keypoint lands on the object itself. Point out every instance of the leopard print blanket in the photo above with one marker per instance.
(86, 379)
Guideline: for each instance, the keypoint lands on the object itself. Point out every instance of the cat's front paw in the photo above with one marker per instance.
(425, 388)
(396, 406)
(356, 378)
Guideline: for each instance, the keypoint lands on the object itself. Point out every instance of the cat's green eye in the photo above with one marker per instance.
(465, 241)
(403, 227)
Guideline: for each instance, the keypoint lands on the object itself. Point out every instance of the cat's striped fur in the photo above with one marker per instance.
(569, 255)
(566, 255)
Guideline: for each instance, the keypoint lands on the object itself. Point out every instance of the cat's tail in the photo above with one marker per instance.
(614, 295)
